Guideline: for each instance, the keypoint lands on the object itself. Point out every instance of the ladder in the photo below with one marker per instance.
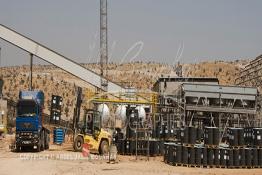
(142, 144)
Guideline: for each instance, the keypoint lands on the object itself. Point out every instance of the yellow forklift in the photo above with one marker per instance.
(90, 131)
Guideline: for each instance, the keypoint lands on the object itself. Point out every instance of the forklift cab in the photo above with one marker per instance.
(91, 133)
(92, 123)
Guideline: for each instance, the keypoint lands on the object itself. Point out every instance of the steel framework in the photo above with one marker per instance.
(251, 75)
(103, 44)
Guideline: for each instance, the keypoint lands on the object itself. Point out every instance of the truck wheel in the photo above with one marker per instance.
(78, 144)
(104, 147)
(18, 148)
(46, 140)
(42, 147)
(38, 147)
(46, 145)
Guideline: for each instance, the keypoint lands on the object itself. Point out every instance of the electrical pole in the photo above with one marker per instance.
(31, 72)
(103, 44)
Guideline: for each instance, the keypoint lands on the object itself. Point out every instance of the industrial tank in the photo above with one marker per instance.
(141, 112)
(105, 112)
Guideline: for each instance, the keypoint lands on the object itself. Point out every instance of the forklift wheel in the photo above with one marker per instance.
(104, 147)
(78, 144)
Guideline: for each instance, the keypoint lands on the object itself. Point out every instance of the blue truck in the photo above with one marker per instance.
(30, 132)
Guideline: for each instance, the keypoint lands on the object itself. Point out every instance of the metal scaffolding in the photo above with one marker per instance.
(251, 75)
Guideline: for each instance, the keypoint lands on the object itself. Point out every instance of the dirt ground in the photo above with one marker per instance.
(63, 161)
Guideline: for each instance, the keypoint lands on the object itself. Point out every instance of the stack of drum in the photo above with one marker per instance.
(191, 135)
(236, 137)
(221, 157)
(211, 136)
(243, 151)
(128, 147)
(248, 136)
(257, 136)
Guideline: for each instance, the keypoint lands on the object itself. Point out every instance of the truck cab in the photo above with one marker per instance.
(90, 132)
(29, 127)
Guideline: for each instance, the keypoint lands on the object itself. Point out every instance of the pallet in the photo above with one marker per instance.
(239, 167)
(256, 166)
(188, 145)
(194, 166)
(208, 166)
(221, 166)
(185, 165)
(238, 147)
(211, 146)
(172, 140)
(178, 164)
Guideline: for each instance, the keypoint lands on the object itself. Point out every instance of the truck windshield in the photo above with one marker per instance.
(26, 108)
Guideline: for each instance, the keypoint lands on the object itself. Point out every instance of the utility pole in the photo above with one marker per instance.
(103, 44)
(31, 72)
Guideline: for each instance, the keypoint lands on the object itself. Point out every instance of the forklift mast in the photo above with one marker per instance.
(77, 109)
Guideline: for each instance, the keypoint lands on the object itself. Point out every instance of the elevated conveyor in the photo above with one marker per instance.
(55, 58)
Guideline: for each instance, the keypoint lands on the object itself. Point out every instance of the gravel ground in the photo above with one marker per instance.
(63, 161)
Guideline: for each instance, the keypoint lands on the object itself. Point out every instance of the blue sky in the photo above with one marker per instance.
(208, 29)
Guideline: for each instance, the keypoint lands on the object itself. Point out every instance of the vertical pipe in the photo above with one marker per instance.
(31, 72)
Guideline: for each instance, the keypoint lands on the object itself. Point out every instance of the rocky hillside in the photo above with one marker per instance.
(52, 80)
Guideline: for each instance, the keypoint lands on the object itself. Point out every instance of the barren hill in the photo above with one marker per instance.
(53, 80)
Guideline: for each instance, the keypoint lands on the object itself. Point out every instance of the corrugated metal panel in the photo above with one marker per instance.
(219, 89)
